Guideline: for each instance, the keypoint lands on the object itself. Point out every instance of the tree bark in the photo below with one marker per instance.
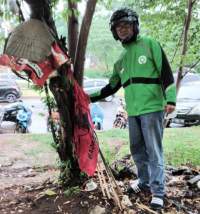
(185, 40)
(41, 9)
(82, 41)
(63, 94)
(72, 29)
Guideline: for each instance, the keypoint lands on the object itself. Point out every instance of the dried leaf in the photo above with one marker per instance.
(50, 192)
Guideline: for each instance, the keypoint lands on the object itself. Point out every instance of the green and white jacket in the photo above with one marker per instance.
(144, 72)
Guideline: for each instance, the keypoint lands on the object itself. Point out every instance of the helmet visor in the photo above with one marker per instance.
(129, 19)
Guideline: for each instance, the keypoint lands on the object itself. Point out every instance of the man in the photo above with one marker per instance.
(145, 74)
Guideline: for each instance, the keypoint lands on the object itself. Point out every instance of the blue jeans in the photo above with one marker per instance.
(146, 133)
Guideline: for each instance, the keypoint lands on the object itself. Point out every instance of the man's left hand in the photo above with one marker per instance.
(169, 108)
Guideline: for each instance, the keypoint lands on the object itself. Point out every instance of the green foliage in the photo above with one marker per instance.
(162, 20)
(102, 45)
(72, 191)
(51, 101)
(97, 73)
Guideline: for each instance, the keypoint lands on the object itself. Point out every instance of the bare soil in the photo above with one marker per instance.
(32, 188)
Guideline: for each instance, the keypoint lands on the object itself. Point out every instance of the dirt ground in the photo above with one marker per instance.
(28, 184)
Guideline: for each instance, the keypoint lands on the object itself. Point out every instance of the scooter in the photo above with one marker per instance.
(97, 115)
(23, 120)
(18, 113)
(55, 120)
(121, 119)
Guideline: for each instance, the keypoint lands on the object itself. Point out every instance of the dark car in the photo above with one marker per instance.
(188, 105)
(9, 91)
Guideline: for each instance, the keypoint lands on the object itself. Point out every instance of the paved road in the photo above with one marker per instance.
(39, 115)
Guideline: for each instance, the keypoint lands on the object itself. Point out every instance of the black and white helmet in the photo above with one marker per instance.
(124, 15)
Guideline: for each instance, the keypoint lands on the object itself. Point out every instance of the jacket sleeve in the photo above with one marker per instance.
(112, 87)
(166, 75)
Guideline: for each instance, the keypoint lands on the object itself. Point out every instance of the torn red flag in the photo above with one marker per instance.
(84, 138)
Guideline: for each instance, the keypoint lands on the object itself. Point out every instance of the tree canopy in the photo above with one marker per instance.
(163, 20)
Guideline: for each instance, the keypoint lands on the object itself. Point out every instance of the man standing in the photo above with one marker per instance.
(144, 72)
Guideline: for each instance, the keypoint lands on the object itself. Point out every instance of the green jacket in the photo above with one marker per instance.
(144, 72)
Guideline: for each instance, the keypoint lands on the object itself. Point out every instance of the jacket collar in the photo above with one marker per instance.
(133, 42)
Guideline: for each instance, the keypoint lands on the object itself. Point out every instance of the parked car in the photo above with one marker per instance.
(188, 77)
(92, 85)
(9, 91)
(8, 76)
(188, 105)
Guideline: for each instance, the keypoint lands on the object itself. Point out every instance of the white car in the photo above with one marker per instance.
(188, 105)
(188, 77)
(93, 85)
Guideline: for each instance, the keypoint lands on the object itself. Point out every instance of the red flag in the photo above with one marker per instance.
(86, 147)
(37, 72)
(84, 139)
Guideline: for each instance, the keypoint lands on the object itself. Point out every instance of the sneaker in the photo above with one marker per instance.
(157, 202)
(136, 187)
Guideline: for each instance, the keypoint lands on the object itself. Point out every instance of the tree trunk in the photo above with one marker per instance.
(60, 86)
(185, 40)
(72, 29)
(82, 41)
(63, 95)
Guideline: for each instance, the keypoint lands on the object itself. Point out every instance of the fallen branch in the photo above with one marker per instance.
(113, 192)
(144, 207)
(194, 180)
(104, 185)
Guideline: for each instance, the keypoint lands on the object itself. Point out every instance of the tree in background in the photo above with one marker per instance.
(163, 20)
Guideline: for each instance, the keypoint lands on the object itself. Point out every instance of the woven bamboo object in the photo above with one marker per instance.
(30, 40)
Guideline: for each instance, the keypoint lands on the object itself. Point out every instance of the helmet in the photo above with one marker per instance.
(124, 15)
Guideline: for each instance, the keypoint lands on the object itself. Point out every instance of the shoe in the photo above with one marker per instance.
(157, 202)
(136, 187)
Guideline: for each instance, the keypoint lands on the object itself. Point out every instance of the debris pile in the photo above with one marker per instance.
(105, 193)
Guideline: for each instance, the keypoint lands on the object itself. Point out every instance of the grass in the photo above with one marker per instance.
(109, 142)
(41, 147)
(181, 145)
(44, 140)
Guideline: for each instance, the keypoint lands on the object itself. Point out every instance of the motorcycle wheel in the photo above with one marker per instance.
(98, 126)
(20, 129)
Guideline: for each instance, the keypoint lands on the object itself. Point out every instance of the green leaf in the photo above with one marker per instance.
(50, 192)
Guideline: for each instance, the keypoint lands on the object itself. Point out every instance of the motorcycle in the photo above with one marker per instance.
(53, 121)
(121, 118)
(18, 113)
(23, 120)
(97, 115)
